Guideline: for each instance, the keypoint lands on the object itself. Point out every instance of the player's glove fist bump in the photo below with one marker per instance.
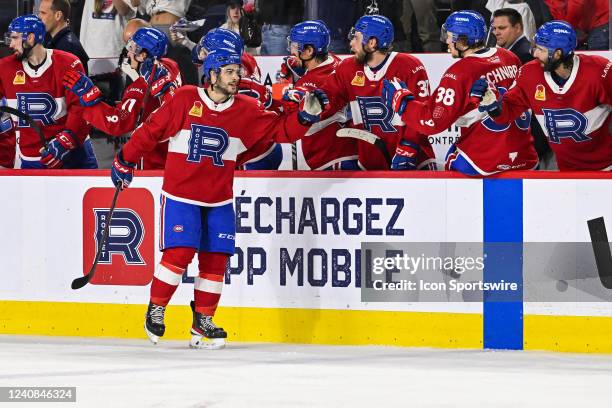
(312, 105)
(396, 95)
(83, 87)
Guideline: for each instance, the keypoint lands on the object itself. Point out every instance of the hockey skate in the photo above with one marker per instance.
(204, 333)
(154, 322)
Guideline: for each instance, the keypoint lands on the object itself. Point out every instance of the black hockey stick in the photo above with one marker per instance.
(78, 283)
(29, 120)
(367, 137)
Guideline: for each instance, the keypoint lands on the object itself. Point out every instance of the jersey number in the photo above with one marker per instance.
(423, 88)
(446, 96)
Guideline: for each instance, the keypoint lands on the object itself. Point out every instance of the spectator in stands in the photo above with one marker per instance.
(162, 12)
(507, 27)
(101, 32)
(54, 14)
(590, 18)
(76, 11)
(529, 26)
(278, 17)
(423, 13)
(540, 11)
(475, 5)
(232, 16)
(250, 28)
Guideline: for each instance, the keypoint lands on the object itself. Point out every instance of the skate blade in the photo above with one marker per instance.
(201, 342)
(152, 337)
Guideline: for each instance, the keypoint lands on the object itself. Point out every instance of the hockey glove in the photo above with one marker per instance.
(83, 87)
(311, 106)
(128, 70)
(294, 94)
(486, 96)
(58, 149)
(291, 69)
(396, 95)
(122, 171)
(405, 156)
(161, 81)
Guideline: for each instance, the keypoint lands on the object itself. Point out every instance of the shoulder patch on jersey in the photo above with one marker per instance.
(196, 109)
(359, 79)
(19, 78)
(540, 93)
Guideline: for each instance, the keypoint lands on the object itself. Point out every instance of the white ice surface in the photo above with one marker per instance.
(134, 373)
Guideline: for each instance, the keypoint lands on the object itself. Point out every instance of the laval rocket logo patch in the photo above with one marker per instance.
(19, 78)
(359, 79)
(196, 109)
(540, 93)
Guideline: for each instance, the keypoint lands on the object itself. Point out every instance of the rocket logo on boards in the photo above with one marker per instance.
(128, 256)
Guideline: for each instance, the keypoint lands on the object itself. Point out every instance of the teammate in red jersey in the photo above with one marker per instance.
(208, 128)
(570, 95)
(357, 82)
(484, 147)
(31, 82)
(145, 51)
(308, 43)
(260, 157)
(7, 140)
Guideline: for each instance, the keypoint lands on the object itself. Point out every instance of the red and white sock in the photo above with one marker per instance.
(169, 273)
(209, 283)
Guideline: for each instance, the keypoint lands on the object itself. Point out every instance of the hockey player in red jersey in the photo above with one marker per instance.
(570, 95)
(308, 43)
(31, 82)
(483, 148)
(208, 128)
(357, 83)
(145, 52)
(261, 157)
(7, 139)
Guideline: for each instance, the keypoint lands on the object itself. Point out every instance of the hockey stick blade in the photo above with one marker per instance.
(28, 119)
(367, 137)
(78, 283)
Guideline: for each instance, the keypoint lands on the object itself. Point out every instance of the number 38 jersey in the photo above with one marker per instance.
(575, 117)
(487, 146)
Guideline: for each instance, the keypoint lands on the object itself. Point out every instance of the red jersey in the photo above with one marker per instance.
(120, 119)
(205, 139)
(487, 146)
(575, 117)
(321, 147)
(250, 66)
(360, 87)
(40, 94)
(7, 140)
